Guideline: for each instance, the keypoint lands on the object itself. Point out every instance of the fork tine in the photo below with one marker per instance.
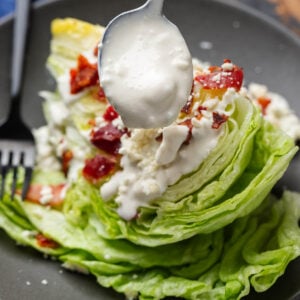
(17, 160)
(26, 182)
(28, 163)
(14, 182)
(4, 158)
(6, 161)
(29, 157)
(3, 176)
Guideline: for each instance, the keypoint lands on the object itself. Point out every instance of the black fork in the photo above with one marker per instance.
(17, 146)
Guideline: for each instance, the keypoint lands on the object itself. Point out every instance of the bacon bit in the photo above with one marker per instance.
(200, 108)
(110, 114)
(98, 168)
(188, 123)
(107, 138)
(218, 120)
(213, 69)
(84, 75)
(159, 137)
(226, 60)
(67, 156)
(92, 122)
(218, 78)
(45, 242)
(264, 103)
(187, 108)
(198, 113)
(100, 95)
(199, 116)
(34, 194)
(96, 50)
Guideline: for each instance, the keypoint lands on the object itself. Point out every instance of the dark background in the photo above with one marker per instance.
(285, 11)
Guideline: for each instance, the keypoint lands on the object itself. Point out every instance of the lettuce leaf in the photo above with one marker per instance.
(252, 251)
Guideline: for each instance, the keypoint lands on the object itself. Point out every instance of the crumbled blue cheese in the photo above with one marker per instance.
(58, 112)
(278, 112)
(227, 66)
(206, 45)
(29, 233)
(75, 267)
(46, 195)
(45, 158)
(44, 282)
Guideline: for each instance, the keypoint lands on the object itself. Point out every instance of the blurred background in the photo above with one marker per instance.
(285, 11)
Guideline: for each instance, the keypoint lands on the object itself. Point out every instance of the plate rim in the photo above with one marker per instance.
(232, 4)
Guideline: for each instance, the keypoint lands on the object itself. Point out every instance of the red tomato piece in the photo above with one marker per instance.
(220, 78)
(110, 114)
(107, 138)
(98, 167)
(34, 194)
(46, 242)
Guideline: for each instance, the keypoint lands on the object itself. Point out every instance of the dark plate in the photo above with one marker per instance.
(268, 53)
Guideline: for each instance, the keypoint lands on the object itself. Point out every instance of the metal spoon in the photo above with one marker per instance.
(135, 24)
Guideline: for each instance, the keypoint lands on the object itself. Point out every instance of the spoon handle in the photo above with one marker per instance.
(155, 6)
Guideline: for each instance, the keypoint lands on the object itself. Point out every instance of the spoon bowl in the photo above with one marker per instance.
(145, 67)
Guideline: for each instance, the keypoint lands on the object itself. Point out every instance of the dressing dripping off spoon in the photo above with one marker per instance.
(145, 67)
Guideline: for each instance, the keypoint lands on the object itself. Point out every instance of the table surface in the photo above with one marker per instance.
(285, 11)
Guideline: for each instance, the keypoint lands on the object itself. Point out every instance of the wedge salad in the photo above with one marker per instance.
(183, 211)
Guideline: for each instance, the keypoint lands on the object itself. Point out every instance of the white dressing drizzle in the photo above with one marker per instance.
(150, 166)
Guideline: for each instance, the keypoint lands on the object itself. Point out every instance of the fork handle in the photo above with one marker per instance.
(20, 34)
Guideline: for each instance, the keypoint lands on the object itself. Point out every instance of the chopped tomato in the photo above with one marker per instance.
(84, 75)
(34, 194)
(110, 114)
(264, 103)
(107, 138)
(98, 167)
(221, 78)
(46, 242)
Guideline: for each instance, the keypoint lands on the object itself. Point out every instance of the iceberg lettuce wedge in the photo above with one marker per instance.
(214, 234)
